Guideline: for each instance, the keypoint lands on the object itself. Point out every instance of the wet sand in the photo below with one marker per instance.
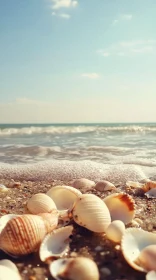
(107, 255)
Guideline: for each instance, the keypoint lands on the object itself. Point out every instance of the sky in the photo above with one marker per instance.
(77, 61)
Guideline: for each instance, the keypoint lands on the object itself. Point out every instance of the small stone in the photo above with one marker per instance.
(105, 271)
(98, 248)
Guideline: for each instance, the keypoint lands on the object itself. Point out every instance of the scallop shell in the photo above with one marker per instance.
(151, 193)
(4, 219)
(91, 213)
(133, 242)
(40, 203)
(55, 244)
(80, 268)
(22, 235)
(121, 207)
(115, 231)
(64, 196)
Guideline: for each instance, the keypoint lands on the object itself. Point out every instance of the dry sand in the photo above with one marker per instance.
(106, 254)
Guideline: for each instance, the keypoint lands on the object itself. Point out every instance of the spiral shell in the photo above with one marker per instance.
(40, 203)
(121, 207)
(22, 235)
(79, 268)
(90, 212)
(64, 196)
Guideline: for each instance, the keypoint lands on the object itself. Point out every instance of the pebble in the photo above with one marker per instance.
(98, 248)
(105, 271)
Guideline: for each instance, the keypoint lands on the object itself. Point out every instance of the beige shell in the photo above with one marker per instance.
(133, 242)
(79, 268)
(91, 213)
(8, 273)
(40, 203)
(121, 207)
(22, 235)
(103, 186)
(83, 184)
(147, 258)
(115, 231)
(149, 185)
(55, 244)
(4, 219)
(151, 275)
(64, 196)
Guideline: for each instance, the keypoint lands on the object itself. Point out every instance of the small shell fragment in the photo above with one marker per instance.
(103, 186)
(115, 231)
(40, 203)
(90, 212)
(134, 241)
(79, 268)
(121, 207)
(64, 196)
(55, 244)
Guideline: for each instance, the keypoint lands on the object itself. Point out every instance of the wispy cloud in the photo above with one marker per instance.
(124, 17)
(66, 16)
(129, 48)
(59, 4)
(90, 75)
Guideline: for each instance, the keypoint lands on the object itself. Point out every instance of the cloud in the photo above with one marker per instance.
(59, 4)
(125, 17)
(129, 48)
(66, 16)
(90, 75)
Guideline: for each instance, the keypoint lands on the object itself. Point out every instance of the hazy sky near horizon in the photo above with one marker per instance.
(77, 61)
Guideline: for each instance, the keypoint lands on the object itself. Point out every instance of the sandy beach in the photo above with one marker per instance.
(106, 254)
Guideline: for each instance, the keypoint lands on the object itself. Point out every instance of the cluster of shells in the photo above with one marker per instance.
(47, 227)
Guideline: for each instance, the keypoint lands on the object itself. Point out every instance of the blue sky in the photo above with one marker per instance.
(77, 61)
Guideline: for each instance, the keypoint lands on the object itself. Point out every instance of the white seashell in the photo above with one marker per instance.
(9, 264)
(121, 207)
(133, 242)
(79, 268)
(147, 258)
(103, 186)
(91, 213)
(55, 244)
(64, 196)
(4, 219)
(40, 203)
(151, 275)
(115, 231)
(23, 234)
(83, 184)
(151, 193)
(8, 273)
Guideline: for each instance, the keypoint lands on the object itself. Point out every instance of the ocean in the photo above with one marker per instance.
(114, 151)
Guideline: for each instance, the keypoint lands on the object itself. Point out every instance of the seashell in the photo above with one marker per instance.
(83, 184)
(23, 234)
(79, 268)
(64, 196)
(147, 258)
(103, 186)
(3, 188)
(55, 244)
(132, 184)
(149, 185)
(40, 203)
(90, 212)
(8, 270)
(151, 193)
(4, 219)
(115, 231)
(121, 207)
(133, 242)
(151, 275)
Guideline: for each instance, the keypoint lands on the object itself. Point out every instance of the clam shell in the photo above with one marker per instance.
(121, 207)
(40, 203)
(90, 212)
(80, 268)
(55, 244)
(115, 231)
(22, 235)
(151, 193)
(133, 242)
(64, 196)
(4, 219)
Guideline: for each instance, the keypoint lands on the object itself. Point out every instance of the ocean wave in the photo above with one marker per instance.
(78, 129)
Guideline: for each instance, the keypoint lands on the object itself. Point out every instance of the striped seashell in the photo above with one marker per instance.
(22, 235)
(40, 203)
(121, 207)
(90, 212)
